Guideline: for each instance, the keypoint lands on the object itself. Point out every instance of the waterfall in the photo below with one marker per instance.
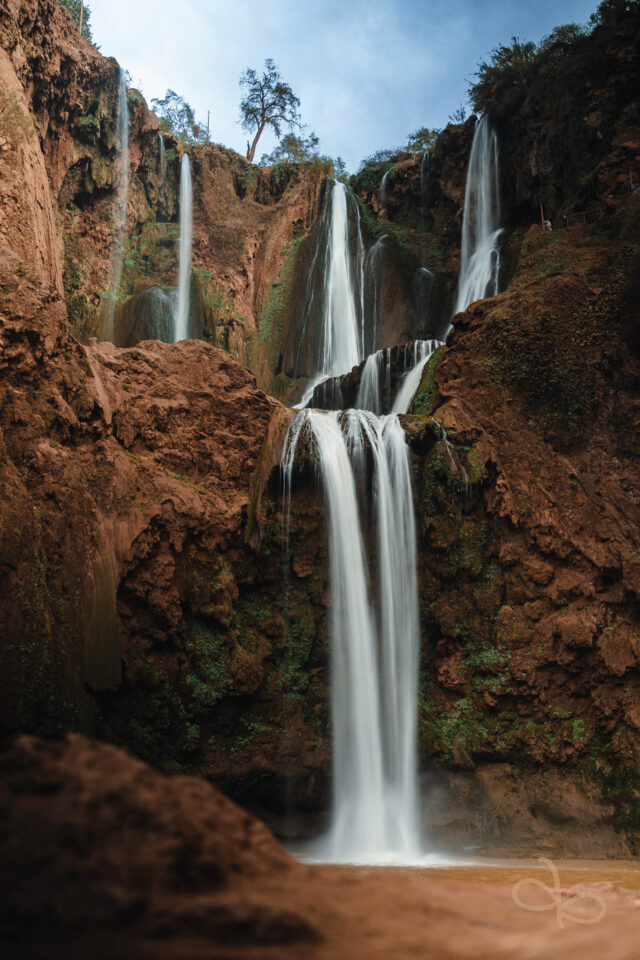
(382, 193)
(341, 348)
(480, 255)
(423, 286)
(374, 647)
(123, 197)
(372, 282)
(184, 270)
(424, 167)
(163, 159)
(370, 390)
(422, 350)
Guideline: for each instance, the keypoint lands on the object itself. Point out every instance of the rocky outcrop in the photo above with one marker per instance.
(529, 533)
(143, 593)
(564, 111)
(419, 225)
(248, 221)
(133, 600)
(96, 844)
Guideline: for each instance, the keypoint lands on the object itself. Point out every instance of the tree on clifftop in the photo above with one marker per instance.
(80, 13)
(268, 102)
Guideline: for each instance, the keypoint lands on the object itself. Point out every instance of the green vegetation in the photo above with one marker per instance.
(268, 102)
(423, 139)
(513, 69)
(178, 117)
(81, 14)
(425, 400)
(275, 309)
(292, 149)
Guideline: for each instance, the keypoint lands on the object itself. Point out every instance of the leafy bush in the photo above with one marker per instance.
(423, 139)
(512, 68)
(177, 117)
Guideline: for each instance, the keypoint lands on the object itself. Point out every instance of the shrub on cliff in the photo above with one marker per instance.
(520, 68)
(178, 117)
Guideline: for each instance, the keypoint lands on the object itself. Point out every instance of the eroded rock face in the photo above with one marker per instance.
(134, 600)
(529, 530)
(248, 221)
(145, 593)
(131, 598)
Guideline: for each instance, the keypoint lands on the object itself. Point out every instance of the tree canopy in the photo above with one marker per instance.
(76, 8)
(293, 149)
(512, 68)
(177, 117)
(422, 139)
(268, 102)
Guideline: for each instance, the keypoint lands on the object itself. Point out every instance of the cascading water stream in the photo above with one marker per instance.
(424, 169)
(363, 459)
(340, 337)
(372, 281)
(181, 331)
(480, 253)
(371, 382)
(375, 651)
(423, 349)
(382, 193)
(122, 201)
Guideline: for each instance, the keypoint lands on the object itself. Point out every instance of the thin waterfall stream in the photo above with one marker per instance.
(181, 331)
(341, 346)
(163, 159)
(122, 202)
(480, 251)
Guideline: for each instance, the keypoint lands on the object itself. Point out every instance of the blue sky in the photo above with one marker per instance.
(368, 72)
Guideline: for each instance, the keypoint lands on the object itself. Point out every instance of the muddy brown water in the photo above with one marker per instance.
(508, 871)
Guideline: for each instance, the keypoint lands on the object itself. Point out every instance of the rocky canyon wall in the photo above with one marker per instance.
(145, 592)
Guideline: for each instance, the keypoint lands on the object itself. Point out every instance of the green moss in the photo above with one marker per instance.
(209, 658)
(612, 765)
(294, 676)
(88, 128)
(273, 315)
(426, 398)
(249, 179)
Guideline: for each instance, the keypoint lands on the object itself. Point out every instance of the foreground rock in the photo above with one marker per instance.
(100, 856)
(92, 839)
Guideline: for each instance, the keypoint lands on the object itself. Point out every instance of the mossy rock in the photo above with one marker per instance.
(427, 397)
